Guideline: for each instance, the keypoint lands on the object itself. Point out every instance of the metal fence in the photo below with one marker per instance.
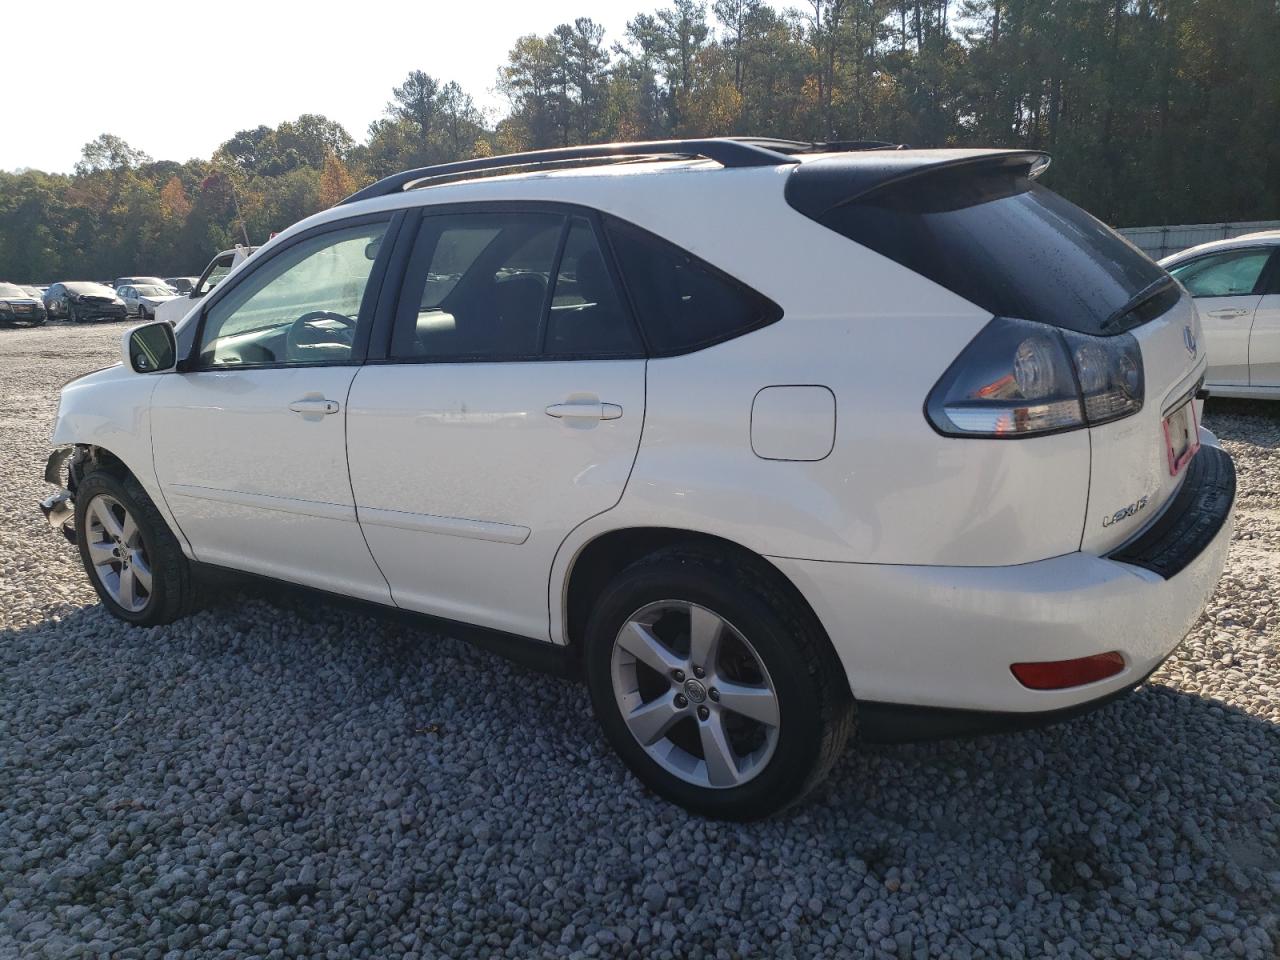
(1157, 242)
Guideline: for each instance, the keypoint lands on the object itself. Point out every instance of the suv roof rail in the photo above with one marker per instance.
(728, 151)
(822, 146)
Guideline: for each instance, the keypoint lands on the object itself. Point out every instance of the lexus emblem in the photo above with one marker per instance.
(1189, 340)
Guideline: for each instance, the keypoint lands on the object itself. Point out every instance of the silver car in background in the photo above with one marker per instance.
(142, 299)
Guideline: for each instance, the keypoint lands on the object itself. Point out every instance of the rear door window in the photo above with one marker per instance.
(1003, 242)
(587, 314)
(510, 286)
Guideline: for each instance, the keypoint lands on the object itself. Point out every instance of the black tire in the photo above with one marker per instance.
(174, 591)
(815, 709)
(72, 314)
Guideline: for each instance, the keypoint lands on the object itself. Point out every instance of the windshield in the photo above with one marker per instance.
(152, 290)
(11, 290)
(89, 289)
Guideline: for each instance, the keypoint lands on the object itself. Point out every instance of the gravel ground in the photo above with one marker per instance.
(276, 778)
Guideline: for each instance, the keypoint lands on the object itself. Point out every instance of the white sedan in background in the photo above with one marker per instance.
(1236, 285)
(143, 299)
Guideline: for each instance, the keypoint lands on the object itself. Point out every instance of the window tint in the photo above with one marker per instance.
(587, 315)
(477, 286)
(301, 306)
(1002, 242)
(1228, 274)
(682, 303)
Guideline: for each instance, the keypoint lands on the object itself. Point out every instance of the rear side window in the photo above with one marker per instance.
(1004, 243)
(683, 303)
(1232, 273)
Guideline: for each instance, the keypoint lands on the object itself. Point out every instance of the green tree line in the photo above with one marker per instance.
(1156, 111)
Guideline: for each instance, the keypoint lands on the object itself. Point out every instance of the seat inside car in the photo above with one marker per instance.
(594, 324)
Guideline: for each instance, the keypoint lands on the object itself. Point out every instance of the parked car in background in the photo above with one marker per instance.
(80, 300)
(1236, 286)
(119, 282)
(183, 285)
(174, 310)
(768, 440)
(19, 305)
(143, 299)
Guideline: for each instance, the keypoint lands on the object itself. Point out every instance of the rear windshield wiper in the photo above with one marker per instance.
(1143, 296)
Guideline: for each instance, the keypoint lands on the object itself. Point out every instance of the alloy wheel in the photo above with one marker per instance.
(695, 694)
(118, 554)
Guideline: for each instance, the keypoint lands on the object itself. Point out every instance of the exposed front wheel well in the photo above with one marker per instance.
(89, 458)
(609, 554)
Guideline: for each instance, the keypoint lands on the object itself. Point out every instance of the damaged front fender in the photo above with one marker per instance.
(60, 509)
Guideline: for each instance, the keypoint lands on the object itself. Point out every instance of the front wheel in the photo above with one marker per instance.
(715, 685)
(132, 558)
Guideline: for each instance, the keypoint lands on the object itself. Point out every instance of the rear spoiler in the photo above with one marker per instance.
(818, 186)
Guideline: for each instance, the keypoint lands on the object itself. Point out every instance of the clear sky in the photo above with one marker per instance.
(178, 78)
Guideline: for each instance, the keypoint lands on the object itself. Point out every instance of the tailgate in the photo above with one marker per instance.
(1130, 479)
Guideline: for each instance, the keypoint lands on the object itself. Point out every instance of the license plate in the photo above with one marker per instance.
(22, 308)
(1181, 436)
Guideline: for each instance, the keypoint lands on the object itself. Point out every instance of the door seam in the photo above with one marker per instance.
(346, 456)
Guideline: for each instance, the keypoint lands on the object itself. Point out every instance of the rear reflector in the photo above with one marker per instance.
(1059, 674)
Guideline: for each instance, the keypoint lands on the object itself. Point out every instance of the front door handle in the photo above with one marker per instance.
(314, 406)
(1229, 313)
(584, 410)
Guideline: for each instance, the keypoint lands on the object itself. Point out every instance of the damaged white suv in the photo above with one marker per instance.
(771, 441)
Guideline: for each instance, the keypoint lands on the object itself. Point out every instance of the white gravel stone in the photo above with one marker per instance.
(273, 777)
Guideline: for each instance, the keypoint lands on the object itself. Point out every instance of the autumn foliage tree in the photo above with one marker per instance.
(1156, 111)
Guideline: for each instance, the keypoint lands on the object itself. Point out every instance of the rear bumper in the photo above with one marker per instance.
(927, 650)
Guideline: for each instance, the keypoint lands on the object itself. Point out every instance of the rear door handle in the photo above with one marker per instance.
(1230, 313)
(314, 406)
(584, 410)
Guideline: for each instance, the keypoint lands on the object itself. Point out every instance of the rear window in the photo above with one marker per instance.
(1005, 243)
(90, 289)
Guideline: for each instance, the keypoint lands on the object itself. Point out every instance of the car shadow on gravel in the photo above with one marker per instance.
(310, 760)
(1161, 784)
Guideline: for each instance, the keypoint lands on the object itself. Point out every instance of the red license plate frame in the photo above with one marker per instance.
(1181, 430)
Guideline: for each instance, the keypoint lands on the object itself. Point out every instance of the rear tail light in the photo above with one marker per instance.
(1060, 674)
(1019, 378)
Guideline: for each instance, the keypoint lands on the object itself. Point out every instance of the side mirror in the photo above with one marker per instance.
(151, 348)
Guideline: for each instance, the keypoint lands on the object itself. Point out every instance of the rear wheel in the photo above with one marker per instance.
(714, 684)
(132, 558)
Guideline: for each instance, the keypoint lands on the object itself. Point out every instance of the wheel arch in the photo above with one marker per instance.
(604, 556)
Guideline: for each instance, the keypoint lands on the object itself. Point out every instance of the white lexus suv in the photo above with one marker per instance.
(770, 441)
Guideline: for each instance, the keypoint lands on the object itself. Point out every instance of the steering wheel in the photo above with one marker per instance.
(302, 334)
